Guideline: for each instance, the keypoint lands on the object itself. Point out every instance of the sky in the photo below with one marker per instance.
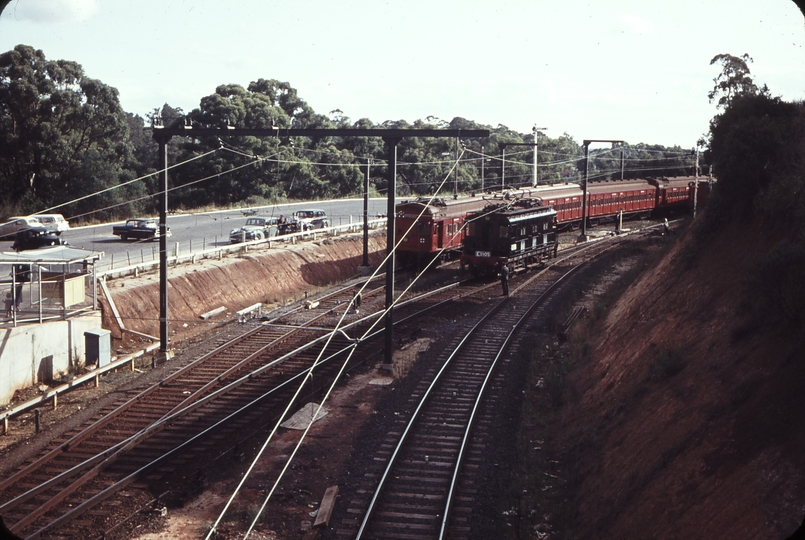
(633, 70)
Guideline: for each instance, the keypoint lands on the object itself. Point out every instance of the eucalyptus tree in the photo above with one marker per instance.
(734, 80)
(237, 169)
(63, 136)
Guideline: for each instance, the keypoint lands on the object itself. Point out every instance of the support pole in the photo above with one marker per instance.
(696, 183)
(502, 168)
(164, 346)
(584, 196)
(455, 173)
(483, 160)
(388, 351)
(587, 178)
(366, 215)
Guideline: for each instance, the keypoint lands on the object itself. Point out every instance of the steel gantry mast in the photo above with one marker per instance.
(392, 137)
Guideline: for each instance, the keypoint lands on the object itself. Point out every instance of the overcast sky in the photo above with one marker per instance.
(637, 70)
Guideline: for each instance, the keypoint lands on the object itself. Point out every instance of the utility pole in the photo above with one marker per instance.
(503, 168)
(366, 215)
(165, 352)
(536, 131)
(455, 173)
(392, 137)
(503, 159)
(696, 182)
(483, 160)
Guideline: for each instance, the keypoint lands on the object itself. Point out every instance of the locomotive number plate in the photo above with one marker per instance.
(483, 253)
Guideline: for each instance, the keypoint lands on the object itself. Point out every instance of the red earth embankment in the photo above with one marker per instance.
(270, 276)
(679, 427)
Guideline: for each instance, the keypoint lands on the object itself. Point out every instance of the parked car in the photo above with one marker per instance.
(139, 229)
(36, 237)
(256, 228)
(55, 222)
(311, 219)
(8, 230)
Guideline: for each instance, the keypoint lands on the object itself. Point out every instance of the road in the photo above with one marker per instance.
(197, 231)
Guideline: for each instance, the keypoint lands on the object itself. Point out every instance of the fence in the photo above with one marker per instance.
(177, 255)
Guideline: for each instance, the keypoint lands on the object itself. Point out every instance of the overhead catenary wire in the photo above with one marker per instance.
(315, 364)
(273, 158)
(366, 333)
(117, 186)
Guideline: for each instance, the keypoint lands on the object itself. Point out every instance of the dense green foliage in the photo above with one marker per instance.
(757, 148)
(62, 134)
(64, 137)
(751, 146)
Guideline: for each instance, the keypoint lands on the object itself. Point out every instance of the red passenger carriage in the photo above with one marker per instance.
(436, 228)
(428, 228)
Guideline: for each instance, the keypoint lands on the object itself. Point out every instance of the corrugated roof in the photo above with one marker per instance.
(51, 255)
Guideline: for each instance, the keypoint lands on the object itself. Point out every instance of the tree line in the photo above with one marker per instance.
(66, 143)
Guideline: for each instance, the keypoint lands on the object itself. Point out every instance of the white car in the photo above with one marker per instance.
(54, 222)
(10, 229)
(311, 219)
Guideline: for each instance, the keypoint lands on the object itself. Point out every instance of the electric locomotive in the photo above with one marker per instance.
(515, 234)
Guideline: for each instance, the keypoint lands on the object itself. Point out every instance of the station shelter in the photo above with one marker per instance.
(53, 294)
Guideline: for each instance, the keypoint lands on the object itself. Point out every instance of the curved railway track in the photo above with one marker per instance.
(195, 414)
(431, 457)
(130, 454)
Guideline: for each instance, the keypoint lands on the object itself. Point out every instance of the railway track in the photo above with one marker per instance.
(428, 484)
(130, 451)
(129, 456)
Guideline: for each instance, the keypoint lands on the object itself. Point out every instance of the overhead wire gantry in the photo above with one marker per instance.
(392, 137)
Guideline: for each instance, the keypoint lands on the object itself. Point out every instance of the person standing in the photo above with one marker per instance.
(504, 279)
(356, 302)
(9, 303)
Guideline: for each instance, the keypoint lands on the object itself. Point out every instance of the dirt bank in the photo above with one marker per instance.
(270, 276)
(676, 425)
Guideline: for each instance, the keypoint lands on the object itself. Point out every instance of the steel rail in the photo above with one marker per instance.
(126, 444)
(481, 393)
(169, 420)
(82, 379)
(80, 437)
(121, 484)
(107, 457)
(426, 396)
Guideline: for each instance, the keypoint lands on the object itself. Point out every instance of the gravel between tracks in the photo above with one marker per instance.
(358, 412)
